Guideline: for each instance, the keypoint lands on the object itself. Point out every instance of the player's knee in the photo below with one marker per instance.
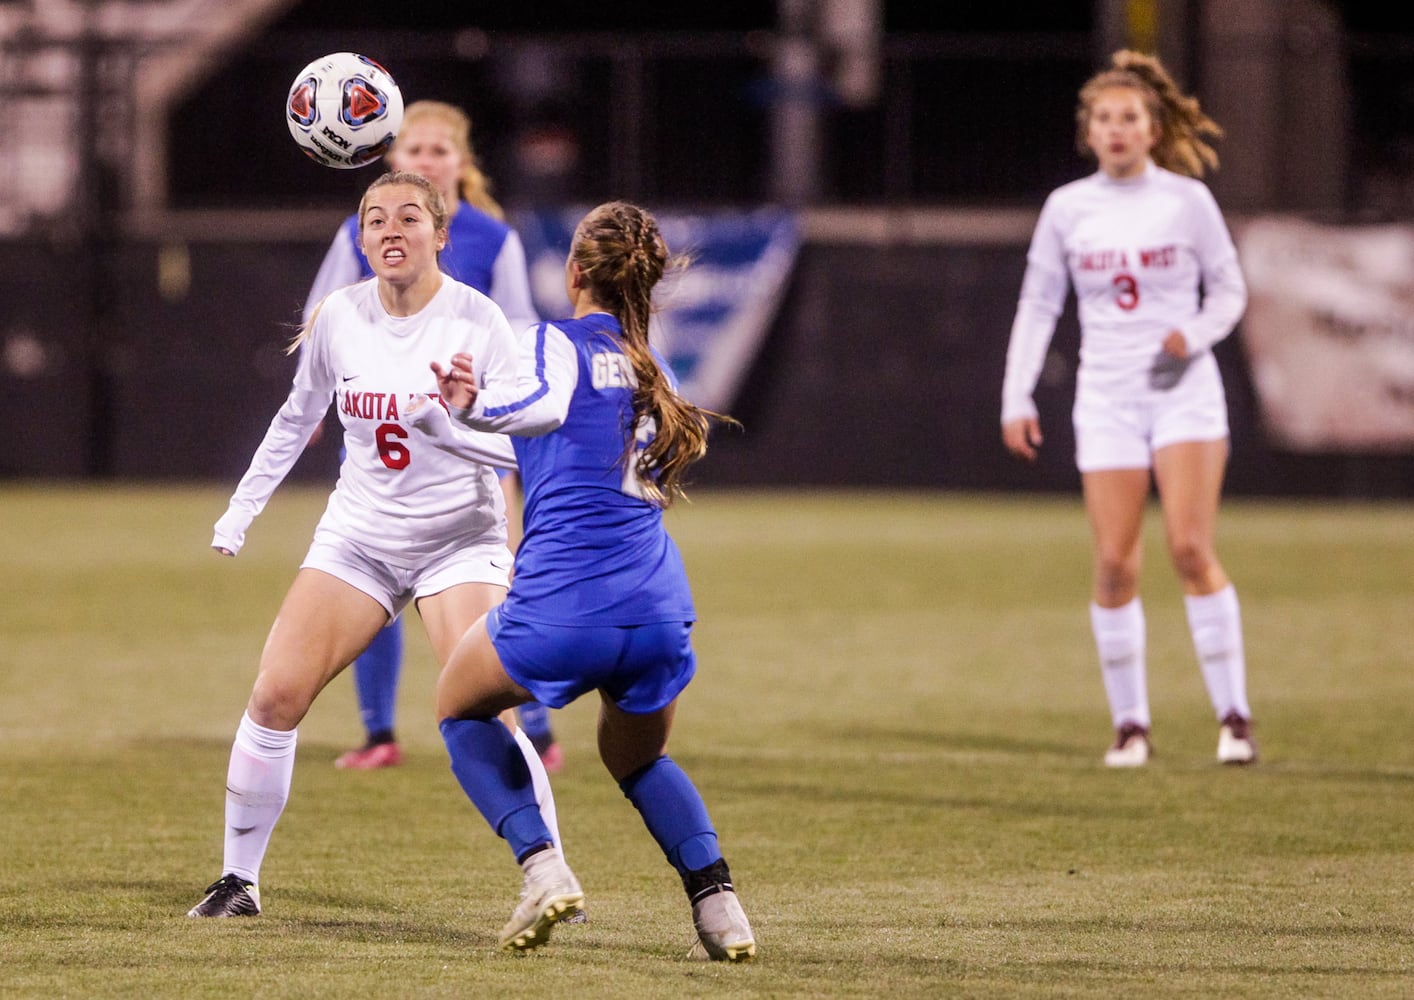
(446, 706)
(463, 697)
(278, 702)
(1192, 557)
(1116, 577)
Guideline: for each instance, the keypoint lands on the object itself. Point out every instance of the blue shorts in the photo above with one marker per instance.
(642, 668)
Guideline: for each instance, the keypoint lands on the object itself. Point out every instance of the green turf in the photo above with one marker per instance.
(897, 724)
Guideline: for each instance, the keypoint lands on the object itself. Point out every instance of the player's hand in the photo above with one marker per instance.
(1022, 437)
(457, 383)
(425, 412)
(229, 533)
(1170, 363)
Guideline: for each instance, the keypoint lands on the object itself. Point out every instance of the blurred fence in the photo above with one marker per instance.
(883, 368)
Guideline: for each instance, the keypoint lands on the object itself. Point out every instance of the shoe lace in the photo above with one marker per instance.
(227, 885)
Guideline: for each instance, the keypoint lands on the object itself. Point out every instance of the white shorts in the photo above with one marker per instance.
(1114, 433)
(395, 588)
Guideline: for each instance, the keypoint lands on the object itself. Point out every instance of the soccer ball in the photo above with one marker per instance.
(344, 110)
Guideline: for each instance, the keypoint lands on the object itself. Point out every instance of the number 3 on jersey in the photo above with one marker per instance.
(1126, 291)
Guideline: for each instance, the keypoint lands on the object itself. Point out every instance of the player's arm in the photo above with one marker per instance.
(284, 440)
(510, 284)
(535, 402)
(427, 414)
(1043, 290)
(1224, 289)
(341, 266)
(497, 364)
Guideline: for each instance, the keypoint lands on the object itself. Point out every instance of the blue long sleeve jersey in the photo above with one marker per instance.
(594, 552)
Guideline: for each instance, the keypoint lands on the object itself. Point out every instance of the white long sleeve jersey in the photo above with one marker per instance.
(1137, 251)
(413, 485)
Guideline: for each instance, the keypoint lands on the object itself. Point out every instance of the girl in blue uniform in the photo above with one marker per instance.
(484, 252)
(600, 599)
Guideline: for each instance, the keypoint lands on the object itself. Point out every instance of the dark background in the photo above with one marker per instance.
(975, 107)
(708, 94)
(884, 366)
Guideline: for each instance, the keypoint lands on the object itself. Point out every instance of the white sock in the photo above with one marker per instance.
(540, 781)
(1119, 639)
(1216, 623)
(257, 785)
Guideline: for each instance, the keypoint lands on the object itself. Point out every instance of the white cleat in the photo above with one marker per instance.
(723, 934)
(1131, 747)
(551, 894)
(1235, 743)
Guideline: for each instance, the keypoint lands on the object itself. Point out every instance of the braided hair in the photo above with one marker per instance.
(622, 256)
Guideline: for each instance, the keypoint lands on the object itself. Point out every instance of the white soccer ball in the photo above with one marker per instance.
(344, 110)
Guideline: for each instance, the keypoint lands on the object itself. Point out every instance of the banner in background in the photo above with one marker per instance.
(1329, 333)
(714, 316)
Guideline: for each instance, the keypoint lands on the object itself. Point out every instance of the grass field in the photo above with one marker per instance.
(897, 724)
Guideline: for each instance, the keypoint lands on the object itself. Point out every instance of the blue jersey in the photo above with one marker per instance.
(594, 552)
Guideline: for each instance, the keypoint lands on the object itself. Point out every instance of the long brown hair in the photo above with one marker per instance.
(1184, 130)
(622, 256)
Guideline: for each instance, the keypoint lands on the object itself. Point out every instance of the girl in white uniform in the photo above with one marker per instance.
(1137, 239)
(484, 252)
(415, 517)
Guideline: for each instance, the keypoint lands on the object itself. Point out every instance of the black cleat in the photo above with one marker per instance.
(228, 896)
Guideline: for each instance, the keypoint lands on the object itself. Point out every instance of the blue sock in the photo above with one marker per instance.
(376, 680)
(535, 720)
(492, 771)
(674, 813)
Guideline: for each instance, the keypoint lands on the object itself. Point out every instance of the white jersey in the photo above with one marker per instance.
(1136, 251)
(403, 496)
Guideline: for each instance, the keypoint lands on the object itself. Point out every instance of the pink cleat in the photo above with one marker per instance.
(553, 758)
(371, 757)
